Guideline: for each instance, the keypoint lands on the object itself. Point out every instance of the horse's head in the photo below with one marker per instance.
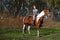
(47, 13)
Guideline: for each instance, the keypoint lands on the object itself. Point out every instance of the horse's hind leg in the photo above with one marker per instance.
(29, 29)
(23, 28)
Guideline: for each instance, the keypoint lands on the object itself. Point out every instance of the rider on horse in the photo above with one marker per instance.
(35, 12)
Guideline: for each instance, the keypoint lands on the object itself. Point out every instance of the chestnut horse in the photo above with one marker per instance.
(28, 20)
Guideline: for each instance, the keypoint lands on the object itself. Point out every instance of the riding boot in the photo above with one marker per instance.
(34, 22)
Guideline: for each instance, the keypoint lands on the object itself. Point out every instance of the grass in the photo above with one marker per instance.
(6, 34)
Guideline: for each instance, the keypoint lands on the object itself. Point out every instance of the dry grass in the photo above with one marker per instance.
(10, 23)
(17, 23)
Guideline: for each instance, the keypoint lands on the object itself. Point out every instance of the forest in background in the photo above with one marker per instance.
(14, 8)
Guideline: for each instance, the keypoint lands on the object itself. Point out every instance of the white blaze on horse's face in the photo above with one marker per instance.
(40, 15)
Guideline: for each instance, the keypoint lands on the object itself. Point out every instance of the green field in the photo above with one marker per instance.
(8, 34)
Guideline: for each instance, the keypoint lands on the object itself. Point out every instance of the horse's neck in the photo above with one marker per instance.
(40, 15)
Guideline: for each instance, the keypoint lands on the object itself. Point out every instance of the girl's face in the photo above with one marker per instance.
(34, 7)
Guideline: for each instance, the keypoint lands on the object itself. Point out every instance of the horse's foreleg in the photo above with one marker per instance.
(38, 32)
(23, 28)
(29, 29)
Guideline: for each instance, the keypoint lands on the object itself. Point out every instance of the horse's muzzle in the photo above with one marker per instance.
(46, 17)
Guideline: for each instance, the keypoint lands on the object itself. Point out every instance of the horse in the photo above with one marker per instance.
(28, 20)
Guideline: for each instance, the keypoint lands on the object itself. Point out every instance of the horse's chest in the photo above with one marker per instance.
(40, 21)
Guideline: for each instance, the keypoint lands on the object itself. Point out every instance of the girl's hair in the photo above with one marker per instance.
(34, 6)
